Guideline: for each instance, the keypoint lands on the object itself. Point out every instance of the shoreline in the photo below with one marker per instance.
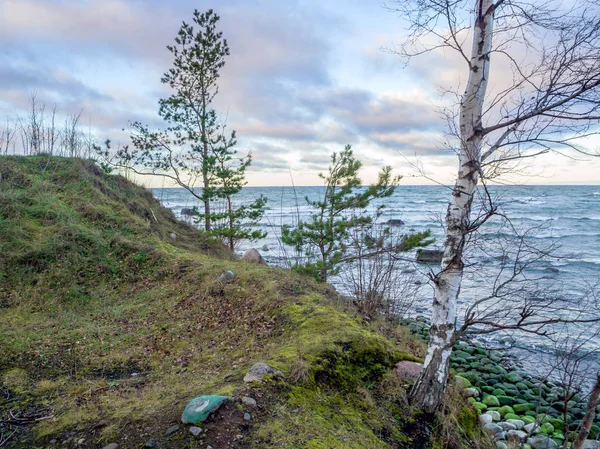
(512, 403)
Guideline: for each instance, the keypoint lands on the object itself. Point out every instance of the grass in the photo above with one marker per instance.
(112, 317)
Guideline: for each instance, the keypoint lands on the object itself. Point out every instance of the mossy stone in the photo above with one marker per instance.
(506, 400)
(513, 377)
(491, 401)
(547, 428)
(511, 416)
(527, 419)
(463, 382)
(505, 409)
(522, 408)
(479, 406)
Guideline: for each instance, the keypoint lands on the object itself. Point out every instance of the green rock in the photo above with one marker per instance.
(513, 378)
(547, 428)
(511, 416)
(198, 409)
(498, 392)
(505, 400)
(461, 354)
(521, 386)
(463, 382)
(487, 389)
(558, 424)
(506, 409)
(522, 408)
(479, 406)
(594, 431)
(527, 419)
(491, 401)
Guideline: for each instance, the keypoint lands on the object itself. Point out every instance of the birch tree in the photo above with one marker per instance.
(550, 105)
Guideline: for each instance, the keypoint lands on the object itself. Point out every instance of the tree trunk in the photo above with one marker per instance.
(588, 419)
(428, 391)
(206, 185)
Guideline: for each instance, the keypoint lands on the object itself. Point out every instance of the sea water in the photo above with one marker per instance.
(562, 220)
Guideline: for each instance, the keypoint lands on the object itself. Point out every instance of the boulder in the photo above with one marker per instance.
(491, 401)
(408, 371)
(492, 429)
(507, 426)
(429, 255)
(173, 236)
(227, 276)
(591, 444)
(188, 212)
(517, 434)
(471, 392)
(259, 370)
(519, 424)
(395, 222)
(198, 409)
(495, 415)
(253, 256)
(486, 419)
(542, 442)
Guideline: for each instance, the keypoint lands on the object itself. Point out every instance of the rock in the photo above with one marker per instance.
(462, 382)
(491, 401)
(227, 276)
(542, 442)
(259, 370)
(471, 392)
(253, 256)
(196, 431)
(517, 434)
(531, 428)
(111, 446)
(500, 436)
(150, 444)
(495, 415)
(429, 256)
(486, 419)
(522, 408)
(265, 248)
(247, 416)
(395, 222)
(198, 409)
(249, 401)
(591, 444)
(173, 236)
(188, 212)
(492, 429)
(408, 371)
(507, 426)
(519, 424)
(505, 409)
(171, 430)
(513, 378)
(501, 445)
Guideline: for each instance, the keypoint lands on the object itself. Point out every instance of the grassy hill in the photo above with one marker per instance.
(112, 317)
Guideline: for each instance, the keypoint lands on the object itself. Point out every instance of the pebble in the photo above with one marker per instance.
(251, 402)
(227, 276)
(492, 429)
(111, 446)
(171, 430)
(485, 419)
(195, 431)
(247, 416)
(518, 433)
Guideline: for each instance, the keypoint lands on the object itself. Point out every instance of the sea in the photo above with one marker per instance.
(554, 230)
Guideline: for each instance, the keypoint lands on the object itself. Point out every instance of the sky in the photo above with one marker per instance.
(304, 78)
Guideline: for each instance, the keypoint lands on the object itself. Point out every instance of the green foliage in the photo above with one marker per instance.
(194, 149)
(327, 239)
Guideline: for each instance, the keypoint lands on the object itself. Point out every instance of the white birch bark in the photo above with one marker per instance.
(429, 389)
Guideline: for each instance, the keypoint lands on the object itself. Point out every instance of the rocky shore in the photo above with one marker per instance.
(516, 408)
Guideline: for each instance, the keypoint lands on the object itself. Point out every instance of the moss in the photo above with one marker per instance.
(113, 326)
